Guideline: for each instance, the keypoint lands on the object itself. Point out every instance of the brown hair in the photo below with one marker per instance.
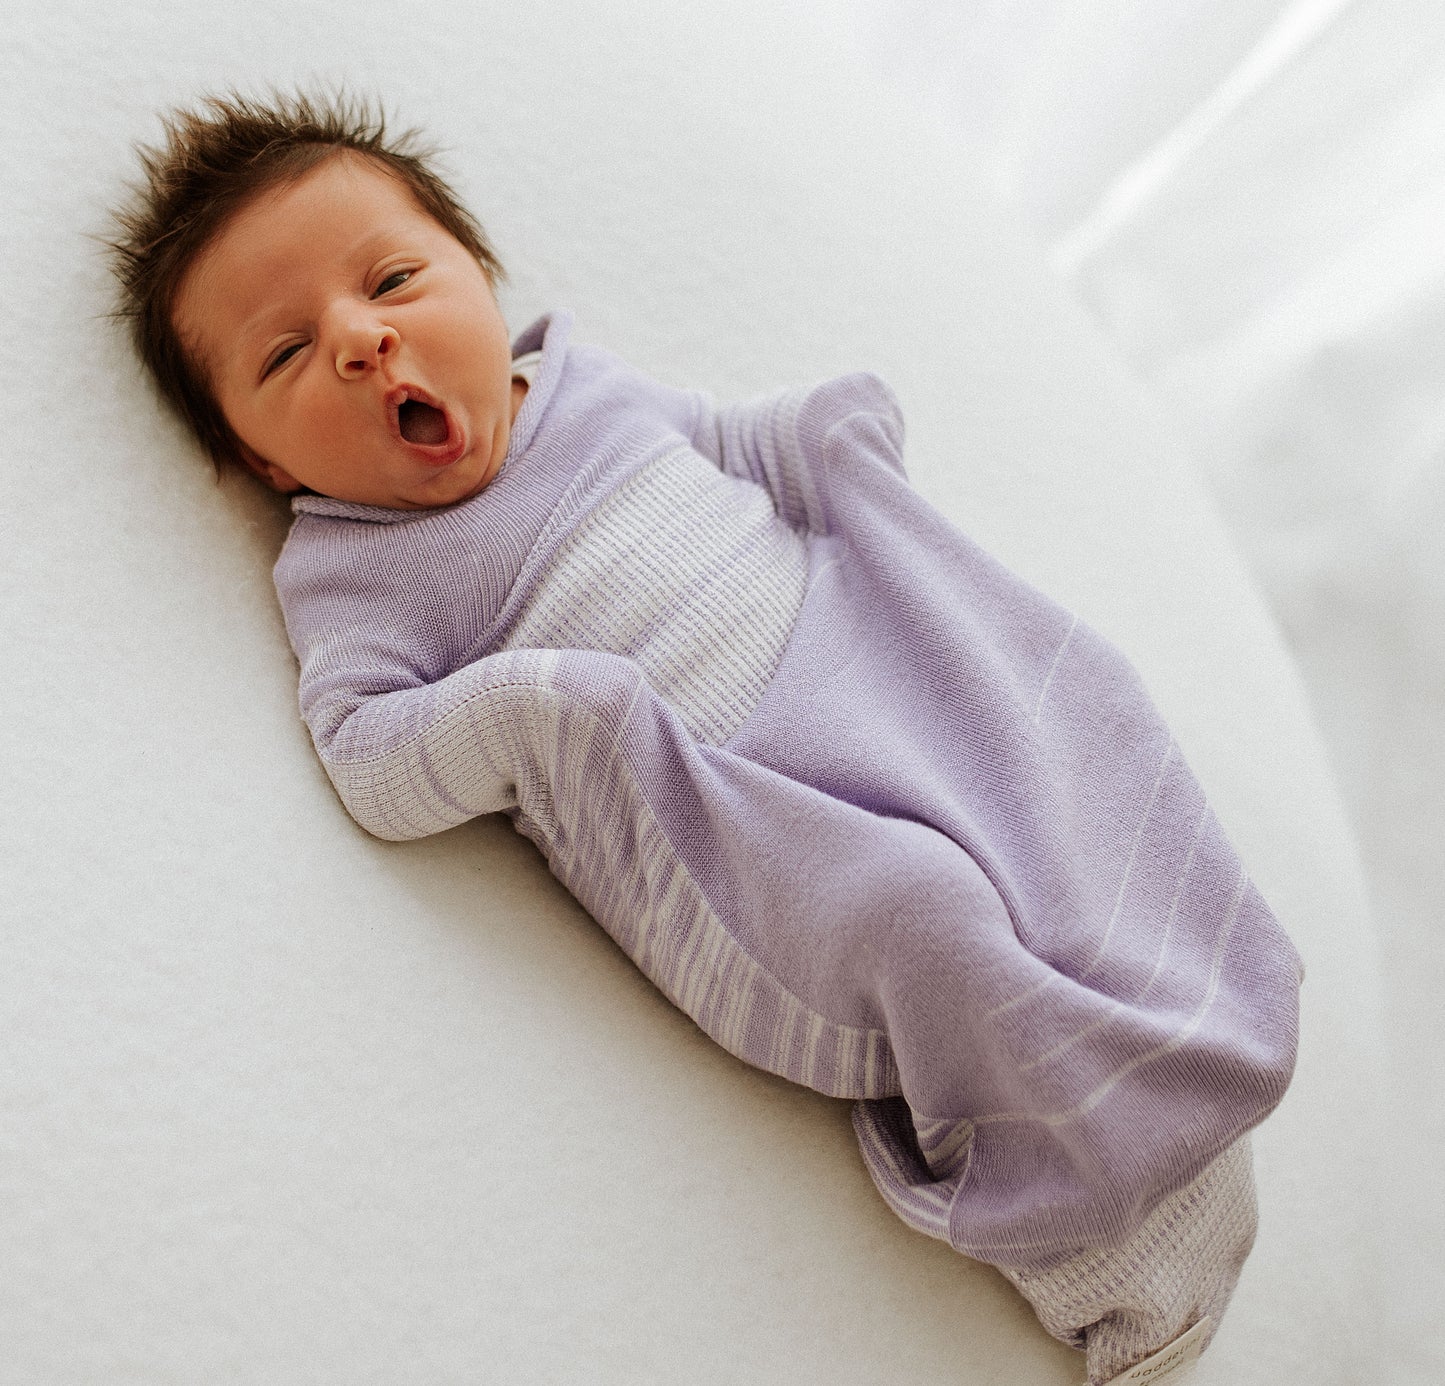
(216, 158)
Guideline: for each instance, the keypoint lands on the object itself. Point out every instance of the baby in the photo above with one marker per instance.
(879, 816)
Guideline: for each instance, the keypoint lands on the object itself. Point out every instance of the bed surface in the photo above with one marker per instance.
(285, 1103)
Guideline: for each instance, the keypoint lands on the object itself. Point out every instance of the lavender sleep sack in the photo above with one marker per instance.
(879, 816)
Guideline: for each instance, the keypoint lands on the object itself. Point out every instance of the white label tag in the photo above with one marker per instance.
(1172, 1363)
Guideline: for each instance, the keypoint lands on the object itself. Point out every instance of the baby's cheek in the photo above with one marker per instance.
(317, 419)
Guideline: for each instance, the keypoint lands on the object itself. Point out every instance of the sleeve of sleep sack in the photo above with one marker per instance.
(414, 743)
(419, 760)
(783, 442)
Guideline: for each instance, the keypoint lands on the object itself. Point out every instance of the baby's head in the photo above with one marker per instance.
(316, 304)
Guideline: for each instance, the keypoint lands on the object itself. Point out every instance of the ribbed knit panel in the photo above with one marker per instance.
(688, 572)
(1123, 1303)
(467, 749)
(1119, 1303)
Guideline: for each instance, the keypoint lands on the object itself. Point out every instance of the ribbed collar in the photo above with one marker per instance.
(550, 333)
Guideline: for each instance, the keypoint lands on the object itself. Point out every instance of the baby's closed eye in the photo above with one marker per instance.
(281, 358)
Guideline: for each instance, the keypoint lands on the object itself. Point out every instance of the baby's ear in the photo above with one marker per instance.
(277, 478)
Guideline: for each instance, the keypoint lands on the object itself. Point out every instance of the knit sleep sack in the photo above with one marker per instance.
(879, 816)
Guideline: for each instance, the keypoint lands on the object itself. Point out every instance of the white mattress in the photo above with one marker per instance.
(283, 1103)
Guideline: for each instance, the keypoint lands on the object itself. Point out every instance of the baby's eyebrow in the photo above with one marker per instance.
(250, 338)
(356, 256)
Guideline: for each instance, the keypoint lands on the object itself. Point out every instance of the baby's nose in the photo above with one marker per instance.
(362, 350)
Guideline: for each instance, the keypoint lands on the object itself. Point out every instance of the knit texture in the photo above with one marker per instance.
(878, 815)
(1121, 1303)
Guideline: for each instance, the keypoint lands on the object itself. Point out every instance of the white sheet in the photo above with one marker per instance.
(284, 1103)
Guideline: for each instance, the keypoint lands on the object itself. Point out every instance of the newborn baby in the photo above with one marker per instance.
(879, 816)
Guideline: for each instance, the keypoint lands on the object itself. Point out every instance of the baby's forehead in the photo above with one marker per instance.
(334, 213)
(369, 191)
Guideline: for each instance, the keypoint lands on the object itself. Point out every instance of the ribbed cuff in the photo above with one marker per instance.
(1121, 1304)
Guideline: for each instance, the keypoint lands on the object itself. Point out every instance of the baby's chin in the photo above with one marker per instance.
(439, 492)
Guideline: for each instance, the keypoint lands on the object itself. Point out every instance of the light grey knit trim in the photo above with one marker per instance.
(1123, 1303)
(604, 842)
(688, 572)
(648, 901)
(470, 757)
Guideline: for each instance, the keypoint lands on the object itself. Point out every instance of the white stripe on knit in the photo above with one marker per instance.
(1129, 865)
(1053, 668)
(1173, 917)
(1163, 952)
(690, 573)
(924, 1206)
(1116, 1007)
(946, 1145)
(1178, 1038)
(1049, 978)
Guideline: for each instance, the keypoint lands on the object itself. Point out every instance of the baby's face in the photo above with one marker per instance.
(354, 345)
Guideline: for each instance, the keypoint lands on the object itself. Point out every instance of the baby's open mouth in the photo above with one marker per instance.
(420, 422)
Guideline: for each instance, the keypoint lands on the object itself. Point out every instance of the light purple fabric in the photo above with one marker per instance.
(961, 870)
